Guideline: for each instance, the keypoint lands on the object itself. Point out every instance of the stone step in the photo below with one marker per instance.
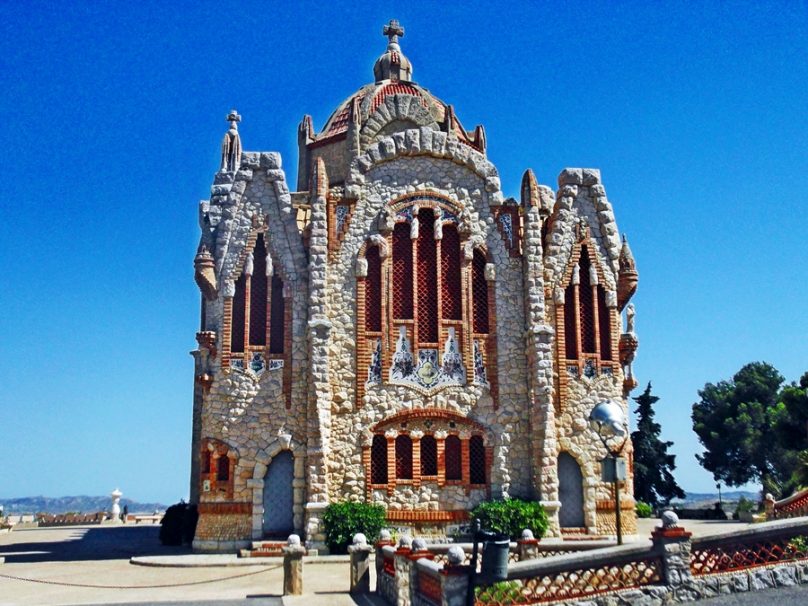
(263, 549)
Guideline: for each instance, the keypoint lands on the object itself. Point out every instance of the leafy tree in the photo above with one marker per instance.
(736, 422)
(792, 429)
(653, 481)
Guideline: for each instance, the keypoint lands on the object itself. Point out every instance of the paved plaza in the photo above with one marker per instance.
(91, 565)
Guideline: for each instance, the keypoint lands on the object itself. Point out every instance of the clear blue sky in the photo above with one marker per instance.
(696, 115)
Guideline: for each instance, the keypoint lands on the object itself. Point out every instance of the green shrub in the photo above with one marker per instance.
(511, 517)
(178, 525)
(503, 592)
(644, 510)
(343, 520)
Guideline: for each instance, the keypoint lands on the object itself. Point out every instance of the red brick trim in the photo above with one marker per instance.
(224, 508)
(399, 515)
(427, 413)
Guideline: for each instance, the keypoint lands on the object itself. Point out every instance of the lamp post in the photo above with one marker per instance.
(607, 420)
(720, 500)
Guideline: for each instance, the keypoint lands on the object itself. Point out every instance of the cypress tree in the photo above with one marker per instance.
(653, 466)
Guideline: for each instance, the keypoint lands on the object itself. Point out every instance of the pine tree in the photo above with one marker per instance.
(653, 481)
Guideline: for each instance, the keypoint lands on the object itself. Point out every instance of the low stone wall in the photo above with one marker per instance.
(673, 567)
(222, 527)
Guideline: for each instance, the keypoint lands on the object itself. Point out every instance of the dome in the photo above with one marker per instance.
(405, 103)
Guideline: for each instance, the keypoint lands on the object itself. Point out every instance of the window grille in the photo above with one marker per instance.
(480, 293)
(378, 460)
(223, 469)
(402, 272)
(450, 273)
(237, 323)
(454, 464)
(277, 313)
(258, 294)
(586, 305)
(477, 460)
(603, 320)
(373, 291)
(429, 456)
(570, 329)
(403, 458)
(427, 279)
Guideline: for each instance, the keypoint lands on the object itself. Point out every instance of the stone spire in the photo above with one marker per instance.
(393, 65)
(231, 144)
(628, 277)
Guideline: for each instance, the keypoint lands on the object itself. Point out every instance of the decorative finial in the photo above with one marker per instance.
(393, 30)
(234, 118)
(231, 144)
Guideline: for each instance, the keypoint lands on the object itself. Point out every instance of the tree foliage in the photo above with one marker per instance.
(751, 429)
(653, 466)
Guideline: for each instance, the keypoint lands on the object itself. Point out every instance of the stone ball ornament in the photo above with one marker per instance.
(669, 519)
(527, 535)
(405, 542)
(456, 556)
(293, 540)
(419, 545)
(385, 535)
(360, 539)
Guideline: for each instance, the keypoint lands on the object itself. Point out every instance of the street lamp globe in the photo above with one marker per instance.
(607, 420)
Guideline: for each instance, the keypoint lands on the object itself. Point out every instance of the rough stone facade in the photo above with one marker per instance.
(404, 332)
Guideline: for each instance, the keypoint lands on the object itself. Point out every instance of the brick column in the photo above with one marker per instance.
(390, 435)
(416, 436)
(440, 440)
(465, 458)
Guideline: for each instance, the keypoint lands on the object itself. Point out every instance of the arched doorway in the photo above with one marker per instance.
(570, 492)
(279, 496)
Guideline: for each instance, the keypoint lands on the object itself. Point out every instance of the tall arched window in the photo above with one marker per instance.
(477, 460)
(259, 294)
(586, 304)
(427, 279)
(429, 456)
(239, 308)
(378, 460)
(454, 460)
(402, 272)
(587, 317)
(425, 319)
(480, 293)
(451, 292)
(373, 291)
(403, 458)
(257, 318)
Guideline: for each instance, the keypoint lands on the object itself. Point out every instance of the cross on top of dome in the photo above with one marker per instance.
(393, 30)
(393, 65)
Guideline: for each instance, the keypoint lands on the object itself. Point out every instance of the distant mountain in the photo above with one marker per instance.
(700, 500)
(80, 504)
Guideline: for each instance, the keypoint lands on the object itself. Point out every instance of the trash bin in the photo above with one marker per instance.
(494, 566)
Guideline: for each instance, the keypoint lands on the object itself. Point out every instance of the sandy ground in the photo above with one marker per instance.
(90, 565)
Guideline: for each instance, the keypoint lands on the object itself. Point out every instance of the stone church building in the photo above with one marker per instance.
(392, 329)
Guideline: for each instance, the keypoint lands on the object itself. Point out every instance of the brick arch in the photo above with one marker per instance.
(429, 413)
(400, 107)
